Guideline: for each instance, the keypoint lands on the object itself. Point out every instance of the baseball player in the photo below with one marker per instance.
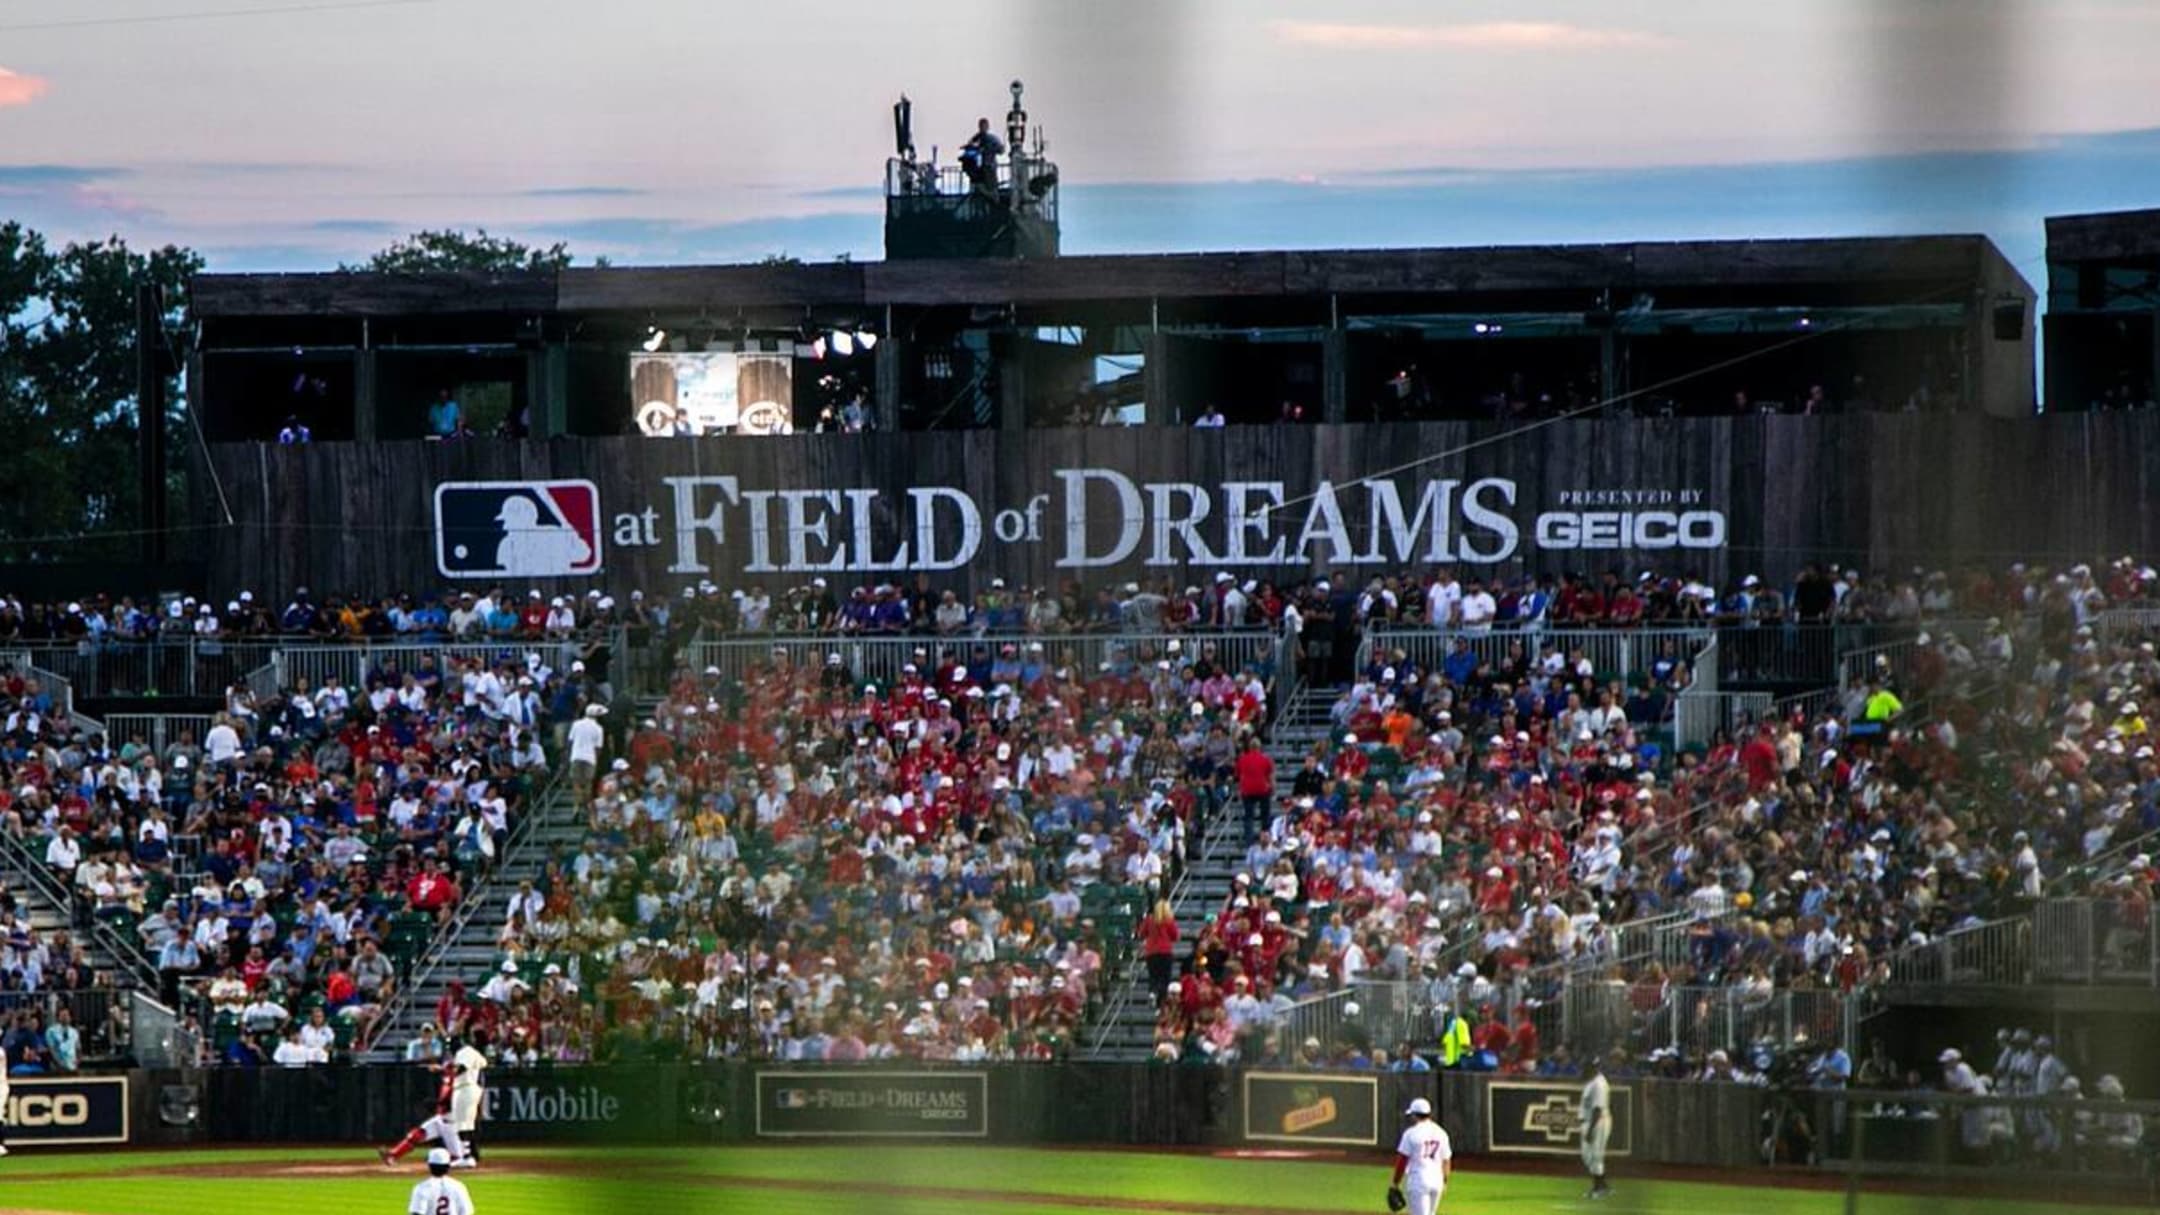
(1596, 1128)
(439, 1193)
(442, 1127)
(468, 1096)
(1423, 1158)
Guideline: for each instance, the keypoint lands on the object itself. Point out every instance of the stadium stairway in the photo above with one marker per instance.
(471, 951)
(1126, 1032)
(44, 902)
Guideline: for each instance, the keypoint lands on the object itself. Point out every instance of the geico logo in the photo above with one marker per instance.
(1631, 529)
(37, 1109)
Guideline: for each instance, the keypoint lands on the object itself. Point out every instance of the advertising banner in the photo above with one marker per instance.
(1288, 1107)
(847, 1104)
(1546, 1119)
(1717, 498)
(712, 392)
(80, 1110)
(631, 1102)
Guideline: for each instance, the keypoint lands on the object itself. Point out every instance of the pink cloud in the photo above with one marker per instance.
(18, 89)
(1478, 36)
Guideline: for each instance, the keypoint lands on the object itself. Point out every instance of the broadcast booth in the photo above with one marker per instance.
(977, 320)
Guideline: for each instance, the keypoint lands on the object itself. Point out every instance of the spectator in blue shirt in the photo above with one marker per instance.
(444, 415)
(63, 1042)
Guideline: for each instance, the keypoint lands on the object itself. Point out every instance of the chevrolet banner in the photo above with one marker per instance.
(1546, 1119)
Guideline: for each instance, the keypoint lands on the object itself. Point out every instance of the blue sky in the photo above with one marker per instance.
(687, 130)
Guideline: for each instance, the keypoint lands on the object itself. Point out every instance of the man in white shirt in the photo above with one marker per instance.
(64, 853)
(222, 744)
(440, 1193)
(1478, 609)
(1442, 601)
(292, 1052)
(1423, 1160)
(586, 739)
(1596, 1127)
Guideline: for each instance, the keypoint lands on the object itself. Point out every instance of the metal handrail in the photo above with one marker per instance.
(32, 868)
(469, 905)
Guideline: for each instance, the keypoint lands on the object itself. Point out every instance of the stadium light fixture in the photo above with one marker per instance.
(843, 343)
(866, 339)
(655, 338)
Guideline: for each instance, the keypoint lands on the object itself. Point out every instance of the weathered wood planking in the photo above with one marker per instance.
(1946, 261)
(1885, 493)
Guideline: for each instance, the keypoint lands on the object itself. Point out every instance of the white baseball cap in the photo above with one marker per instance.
(438, 1156)
(1419, 1106)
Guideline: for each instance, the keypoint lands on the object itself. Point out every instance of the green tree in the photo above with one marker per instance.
(451, 250)
(68, 419)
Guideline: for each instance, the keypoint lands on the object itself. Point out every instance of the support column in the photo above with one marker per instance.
(885, 409)
(1010, 350)
(1158, 409)
(363, 395)
(547, 394)
(1335, 376)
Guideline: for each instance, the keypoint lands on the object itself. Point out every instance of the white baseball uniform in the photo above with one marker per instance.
(467, 1091)
(1425, 1145)
(1596, 1124)
(440, 1196)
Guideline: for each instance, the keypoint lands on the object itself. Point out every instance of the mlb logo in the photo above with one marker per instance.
(792, 1098)
(517, 529)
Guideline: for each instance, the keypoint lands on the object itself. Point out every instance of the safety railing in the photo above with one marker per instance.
(2096, 940)
(480, 890)
(1613, 653)
(1320, 1017)
(156, 730)
(352, 666)
(159, 1036)
(174, 666)
(1997, 952)
(1699, 717)
(2110, 862)
(99, 1016)
(15, 853)
(1696, 1020)
(187, 666)
(882, 659)
(2114, 623)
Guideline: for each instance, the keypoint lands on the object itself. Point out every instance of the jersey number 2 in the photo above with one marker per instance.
(442, 1205)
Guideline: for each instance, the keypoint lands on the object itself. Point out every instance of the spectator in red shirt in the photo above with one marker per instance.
(1490, 1037)
(1256, 787)
(1158, 944)
(1760, 758)
(432, 891)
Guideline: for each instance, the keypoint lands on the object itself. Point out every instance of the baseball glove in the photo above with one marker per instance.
(1395, 1199)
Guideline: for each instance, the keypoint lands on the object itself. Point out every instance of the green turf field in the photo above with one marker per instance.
(910, 1180)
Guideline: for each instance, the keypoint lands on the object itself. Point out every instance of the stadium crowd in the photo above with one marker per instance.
(803, 865)
(1481, 832)
(278, 870)
(1500, 815)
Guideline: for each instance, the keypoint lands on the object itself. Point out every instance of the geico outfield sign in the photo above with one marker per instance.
(79, 1110)
(801, 1104)
(1081, 518)
(1297, 1107)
